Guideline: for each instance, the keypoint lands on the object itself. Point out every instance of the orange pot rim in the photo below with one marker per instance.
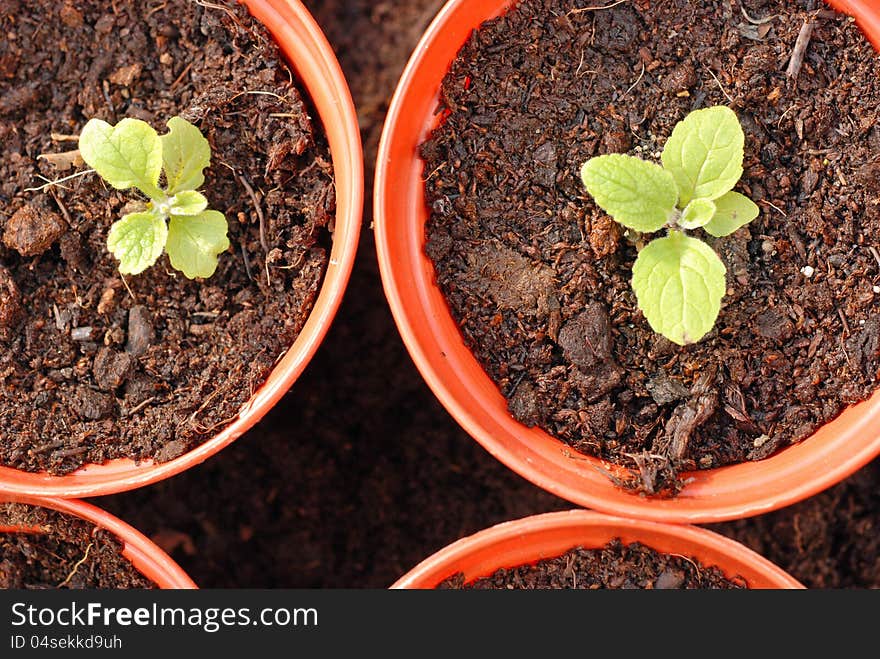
(435, 344)
(530, 539)
(145, 555)
(311, 56)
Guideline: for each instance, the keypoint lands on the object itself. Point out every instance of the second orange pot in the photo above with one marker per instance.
(435, 343)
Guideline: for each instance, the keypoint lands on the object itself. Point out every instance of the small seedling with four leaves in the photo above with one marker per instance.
(678, 280)
(176, 219)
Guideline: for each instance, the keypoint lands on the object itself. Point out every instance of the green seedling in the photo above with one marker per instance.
(176, 218)
(679, 280)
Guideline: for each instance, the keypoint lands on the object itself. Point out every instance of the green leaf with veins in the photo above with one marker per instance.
(188, 202)
(185, 153)
(696, 214)
(705, 153)
(638, 194)
(679, 282)
(195, 241)
(733, 211)
(126, 155)
(137, 241)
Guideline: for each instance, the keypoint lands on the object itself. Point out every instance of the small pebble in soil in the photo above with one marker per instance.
(31, 230)
(111, 368)
(83, 334)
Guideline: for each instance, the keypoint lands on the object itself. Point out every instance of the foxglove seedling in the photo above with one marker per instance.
(678, 280)
(176, 219)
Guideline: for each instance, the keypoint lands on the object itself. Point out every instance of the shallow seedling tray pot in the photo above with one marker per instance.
(144, 554)
(436, 345)
(311, 57)
(531, 539)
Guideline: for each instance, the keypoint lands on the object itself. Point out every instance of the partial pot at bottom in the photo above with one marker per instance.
(532, 539)
(145, 556)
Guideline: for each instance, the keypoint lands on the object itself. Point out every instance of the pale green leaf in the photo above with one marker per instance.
(679, 282)
(697, 213)
(137, 241)
(734, 211)
(126, 155)
(195, 241)
(188, 202)
(638, 194)
(185, 153)
(705, 153)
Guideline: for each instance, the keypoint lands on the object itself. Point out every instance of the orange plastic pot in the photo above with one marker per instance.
(459, 382)
(866, 13)
(312, 58)
(144, 554)
(531, 539)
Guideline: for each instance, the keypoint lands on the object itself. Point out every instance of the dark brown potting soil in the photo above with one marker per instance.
(96, 366)
(61, 551)
(614, 566)
(359, 473)
(539, 278)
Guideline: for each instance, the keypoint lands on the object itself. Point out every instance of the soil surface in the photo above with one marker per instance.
(95, 366)
(538, 276)
(359, 473)
(614, 566)
(62, 551)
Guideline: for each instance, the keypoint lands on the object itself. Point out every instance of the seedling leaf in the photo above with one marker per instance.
(185, 153)
(705, 153)
(679, 282)
(137, 241)
(734, 211)
(126, 155)
(188, 202)
(195, 241)
(697, 213)
(638, 194)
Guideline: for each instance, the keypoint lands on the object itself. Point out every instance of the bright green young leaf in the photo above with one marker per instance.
(697, 213)
(638, 194)
(185, 153)
(188, 202)
(734, 211)
(195, 241)
(679, 282)
(128, 154)
(705, 153)
(137, 241)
